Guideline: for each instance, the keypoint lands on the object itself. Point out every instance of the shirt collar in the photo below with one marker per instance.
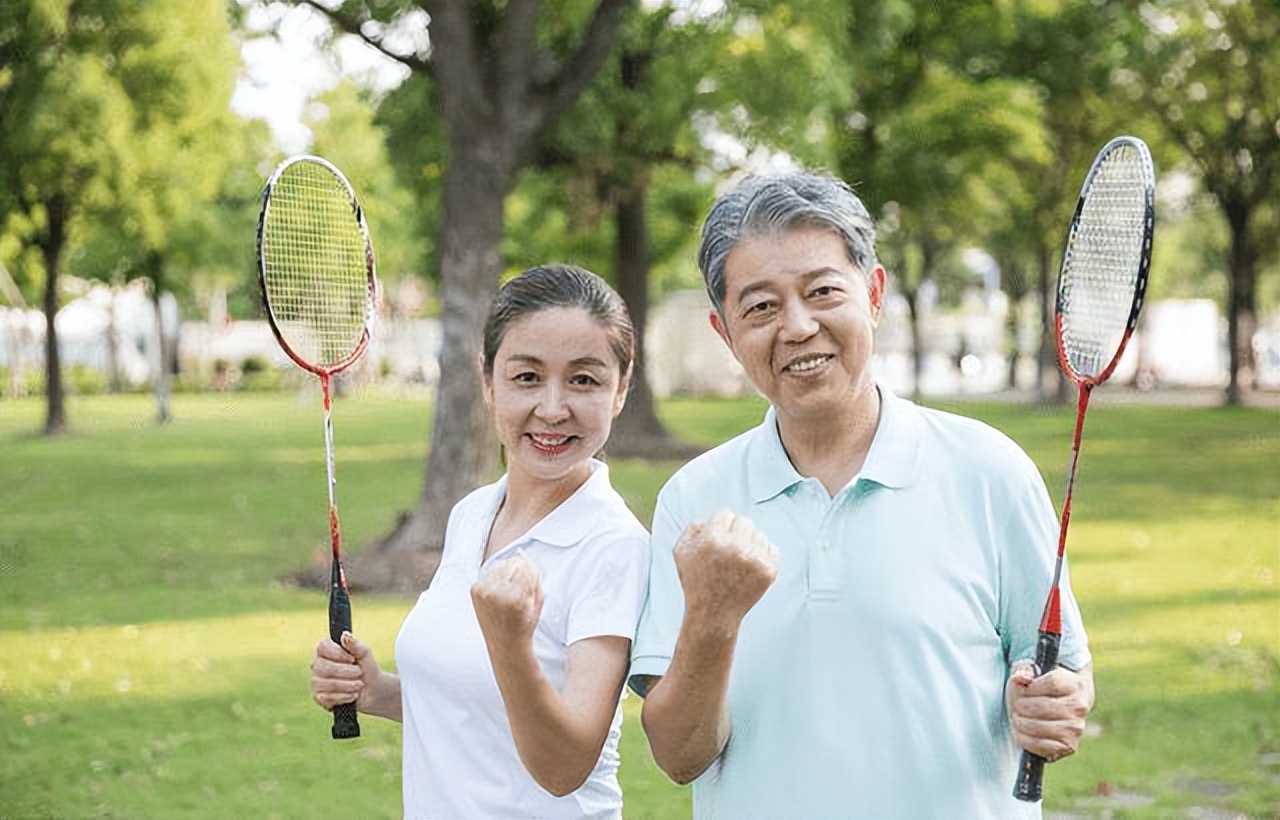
(575, 518)
(892, 461)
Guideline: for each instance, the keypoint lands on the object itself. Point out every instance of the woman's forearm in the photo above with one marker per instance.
(559, 734)
(382, 698)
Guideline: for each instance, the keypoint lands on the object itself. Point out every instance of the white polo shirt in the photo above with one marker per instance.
(460, 760)
(869, 679)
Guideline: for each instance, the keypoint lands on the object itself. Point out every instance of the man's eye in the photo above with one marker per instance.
(526, 377)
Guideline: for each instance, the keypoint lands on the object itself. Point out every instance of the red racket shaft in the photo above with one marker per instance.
(345, 724)
(1031, 768)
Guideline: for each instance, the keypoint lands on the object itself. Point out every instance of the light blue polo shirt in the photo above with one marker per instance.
(869, 679)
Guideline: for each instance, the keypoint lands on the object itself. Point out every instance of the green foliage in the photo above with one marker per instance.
(119, 108)
(1207, 72)
(152, 665)
(342, 122)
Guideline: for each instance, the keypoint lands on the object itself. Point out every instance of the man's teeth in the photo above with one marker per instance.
(806, 364)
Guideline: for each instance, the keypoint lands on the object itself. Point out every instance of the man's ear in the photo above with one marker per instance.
(717, 324)
(875, 290)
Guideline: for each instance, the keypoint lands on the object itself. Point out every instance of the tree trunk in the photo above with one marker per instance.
(162, 383)
(638, 432)
(463, 448)
(113, 346)
(1241, 317)
(51, 244)
(498, 92)
(1014, 284)
(917, 342)
(1051, 387)
(1012, 320)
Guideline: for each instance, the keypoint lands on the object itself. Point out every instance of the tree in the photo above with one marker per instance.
(627, 157)
(501, 74)
(342, 122)
(108, 108)
(930, 115)
(1068, 53)
(66, 123)
(1209, 72)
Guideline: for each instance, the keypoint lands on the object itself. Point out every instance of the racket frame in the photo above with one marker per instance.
(1028, 786)
(345, 722)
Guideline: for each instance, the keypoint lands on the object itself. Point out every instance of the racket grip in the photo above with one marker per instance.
(345, 724)
(1031, 767)
(1030, 777)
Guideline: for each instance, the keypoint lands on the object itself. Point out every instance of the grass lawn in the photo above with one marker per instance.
(151, 665)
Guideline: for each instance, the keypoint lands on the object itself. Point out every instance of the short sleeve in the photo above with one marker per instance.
(663, 610)
(1028, 553)
(611, 577)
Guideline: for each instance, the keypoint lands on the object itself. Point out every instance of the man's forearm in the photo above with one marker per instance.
(685, 714)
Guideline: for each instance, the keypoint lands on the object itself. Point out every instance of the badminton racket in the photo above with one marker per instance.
(315, 265)
(1100, 291)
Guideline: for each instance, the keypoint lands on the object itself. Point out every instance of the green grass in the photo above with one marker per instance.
(152, 665)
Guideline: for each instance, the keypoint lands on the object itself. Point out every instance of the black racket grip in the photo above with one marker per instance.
(345, 724)
(1031, 768)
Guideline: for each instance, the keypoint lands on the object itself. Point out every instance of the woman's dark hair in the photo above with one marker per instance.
(561, 286)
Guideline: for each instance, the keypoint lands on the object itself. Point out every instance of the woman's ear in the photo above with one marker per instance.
(486, 383)
(620, 400)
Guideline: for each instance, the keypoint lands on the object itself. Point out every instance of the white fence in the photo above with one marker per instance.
(1180, 344)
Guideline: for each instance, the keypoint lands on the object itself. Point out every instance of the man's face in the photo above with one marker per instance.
(799, 316)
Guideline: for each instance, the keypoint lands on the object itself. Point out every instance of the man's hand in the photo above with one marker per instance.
(725, 566)
(508, 601)
(1047, 714)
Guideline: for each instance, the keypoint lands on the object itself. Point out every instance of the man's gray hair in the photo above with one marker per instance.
(768, 206)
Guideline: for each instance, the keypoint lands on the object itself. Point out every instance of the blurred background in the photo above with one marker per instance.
(136, 138)
(149, 422)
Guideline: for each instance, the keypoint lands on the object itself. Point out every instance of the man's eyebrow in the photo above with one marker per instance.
(806, 277)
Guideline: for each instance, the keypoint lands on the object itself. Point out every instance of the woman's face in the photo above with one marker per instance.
(554, 392)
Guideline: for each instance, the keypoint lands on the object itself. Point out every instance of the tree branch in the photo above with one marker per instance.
(354, 25)
(517, 51)
(460, 71)
(582, 65)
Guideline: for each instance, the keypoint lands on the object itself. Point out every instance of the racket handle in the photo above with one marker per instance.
(1031, 767)
(345, 724)
(1030, 777)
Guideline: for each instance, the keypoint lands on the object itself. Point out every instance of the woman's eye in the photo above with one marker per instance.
(527, 377)
(584, 380)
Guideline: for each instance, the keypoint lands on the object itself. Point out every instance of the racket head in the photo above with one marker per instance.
(1106, 261)
(315, 265)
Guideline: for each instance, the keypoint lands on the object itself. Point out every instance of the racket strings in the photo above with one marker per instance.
(315, 260)
(1101, 267)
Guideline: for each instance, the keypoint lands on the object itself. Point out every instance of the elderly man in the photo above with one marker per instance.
(844, 600)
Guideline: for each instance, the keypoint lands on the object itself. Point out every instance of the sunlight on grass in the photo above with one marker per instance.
(168, 659)
(154, 664)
